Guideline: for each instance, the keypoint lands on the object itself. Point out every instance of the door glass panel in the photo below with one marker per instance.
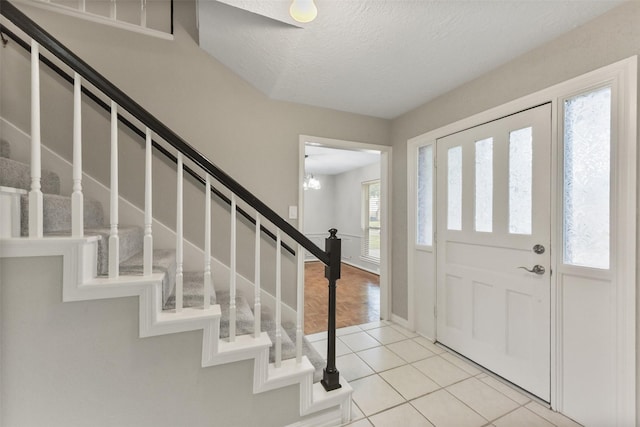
(587, 172)
(425, 196)
(520, 179)
(454, 189)
(484, 185)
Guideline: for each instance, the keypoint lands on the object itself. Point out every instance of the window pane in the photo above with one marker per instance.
(484, 185)
(520, 175)
(371, 215)
(373, 243)
(425, 196)
(587, 171)
(374, 205)
(454, 189)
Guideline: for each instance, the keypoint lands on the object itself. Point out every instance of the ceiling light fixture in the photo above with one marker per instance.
(303, 10)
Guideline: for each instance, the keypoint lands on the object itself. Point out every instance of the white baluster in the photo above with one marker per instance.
(114, 239)
(77, 199)
(208, 283)
(257, 306)
(300, 305)
(143, 13)
(179, 236)
(232, 273)
(35, 195)
(83, 5)
(278, 300)
(113, 13)
(148, 207)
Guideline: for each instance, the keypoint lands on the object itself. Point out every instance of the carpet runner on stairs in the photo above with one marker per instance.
(193, 296)
(57, 222)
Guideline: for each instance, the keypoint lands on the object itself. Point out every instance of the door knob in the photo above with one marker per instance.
(537, 269)
(539, 249)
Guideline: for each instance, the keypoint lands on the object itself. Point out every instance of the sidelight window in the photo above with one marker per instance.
(587, 179)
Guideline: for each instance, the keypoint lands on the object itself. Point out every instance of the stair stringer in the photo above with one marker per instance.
(79, 283)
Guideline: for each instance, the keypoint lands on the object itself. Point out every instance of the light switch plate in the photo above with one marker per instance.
(293, 212)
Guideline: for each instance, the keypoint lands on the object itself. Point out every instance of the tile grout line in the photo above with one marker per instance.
(482, 370)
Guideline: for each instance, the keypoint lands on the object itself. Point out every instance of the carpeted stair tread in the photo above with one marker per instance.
(18, 175)
(192, 291)
(244, 315)
(288, 343)
(245, 323)
(164, 261)
(268, 325)
(5, 149)
(57, 213)
(308, 350)
(130, 244)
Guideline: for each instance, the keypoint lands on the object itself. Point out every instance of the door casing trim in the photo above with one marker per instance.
(385, 190)
(623, 75)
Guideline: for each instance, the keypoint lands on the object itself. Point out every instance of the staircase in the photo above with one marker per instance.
(104, 259)
(15, 176)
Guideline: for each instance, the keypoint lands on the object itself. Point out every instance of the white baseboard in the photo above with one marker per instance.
(400, 321)
(360, 267)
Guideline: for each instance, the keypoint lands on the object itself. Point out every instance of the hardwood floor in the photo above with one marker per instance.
(357, 297)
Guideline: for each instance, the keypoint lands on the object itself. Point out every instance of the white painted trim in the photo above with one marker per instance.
(10, 211)
(359, 267)
(626, 268)
(92, 17)
(386, 215)
(623, 72)
(400, 321)
(412, 160)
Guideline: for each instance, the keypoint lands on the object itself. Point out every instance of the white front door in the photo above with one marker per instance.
(493, 246)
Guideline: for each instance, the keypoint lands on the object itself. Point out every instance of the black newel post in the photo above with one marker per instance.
(331, 376)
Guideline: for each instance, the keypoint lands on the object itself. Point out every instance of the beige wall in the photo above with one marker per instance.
(83, 364)
(613, 36)
(251, 137)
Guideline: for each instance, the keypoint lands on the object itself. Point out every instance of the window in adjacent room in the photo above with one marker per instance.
(371, 220)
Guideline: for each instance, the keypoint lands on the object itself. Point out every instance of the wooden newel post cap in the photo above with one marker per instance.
(332, 233)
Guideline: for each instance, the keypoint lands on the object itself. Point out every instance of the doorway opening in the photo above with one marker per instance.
(343, 185)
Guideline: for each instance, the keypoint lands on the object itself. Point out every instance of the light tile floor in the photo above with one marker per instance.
(402, 379)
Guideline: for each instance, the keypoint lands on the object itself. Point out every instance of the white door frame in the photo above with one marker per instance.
(623, 76)
(385, 194)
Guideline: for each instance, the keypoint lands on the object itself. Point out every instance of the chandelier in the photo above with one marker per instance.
(311, 183)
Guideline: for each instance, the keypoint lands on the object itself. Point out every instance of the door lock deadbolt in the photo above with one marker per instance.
(539, 249)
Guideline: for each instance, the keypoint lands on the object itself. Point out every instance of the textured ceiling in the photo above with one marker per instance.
(334, 161)
(379, 57)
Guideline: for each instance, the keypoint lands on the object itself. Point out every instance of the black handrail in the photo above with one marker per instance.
(67, 77)
(45, 39)
(172, 17)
